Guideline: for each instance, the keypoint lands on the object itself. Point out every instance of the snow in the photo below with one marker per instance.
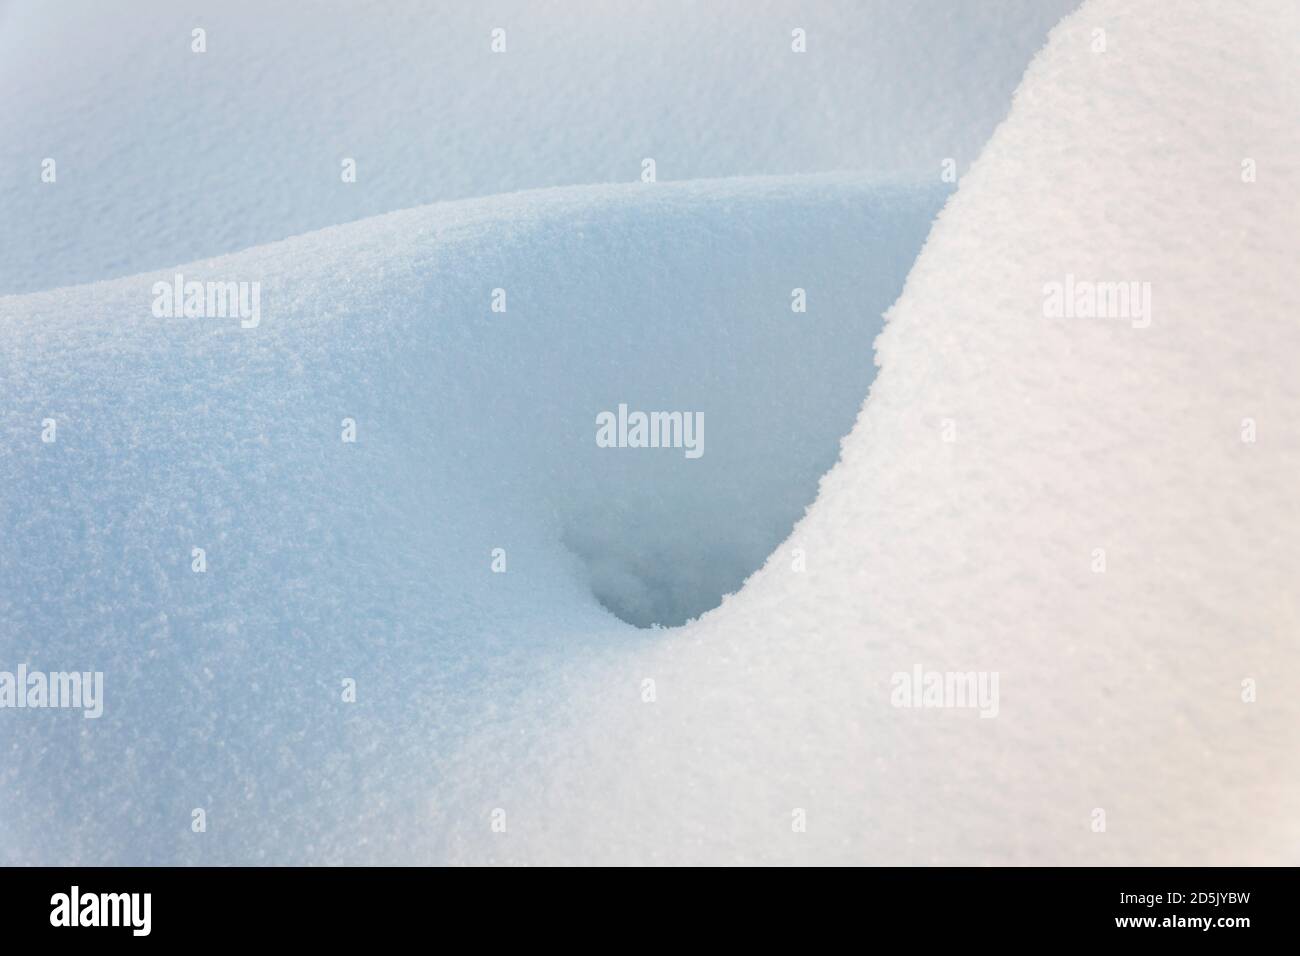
(1120, 691)
(164, 156)
(998, 451)
(372, 560)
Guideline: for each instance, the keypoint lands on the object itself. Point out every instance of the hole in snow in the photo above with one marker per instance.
(707, 326)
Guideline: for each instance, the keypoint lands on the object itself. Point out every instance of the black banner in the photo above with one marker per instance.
(335, 906)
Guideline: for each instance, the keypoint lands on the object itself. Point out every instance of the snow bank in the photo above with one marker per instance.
(163, 155)
(325, 559)
(1100, 531)
(1098, 511)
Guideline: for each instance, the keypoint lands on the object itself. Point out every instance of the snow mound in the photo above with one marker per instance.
(1101, 511)
(373, 560)
(1094, 510)
(163, 155)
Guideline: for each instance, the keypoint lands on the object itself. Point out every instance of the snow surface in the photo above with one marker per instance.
(1120, 691)
(372, 561)
(165, 156)
(522, 691)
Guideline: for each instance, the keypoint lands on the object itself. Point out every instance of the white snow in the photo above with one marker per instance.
(164, 155)
(521, 692)
(1120, 691)
(372, 560)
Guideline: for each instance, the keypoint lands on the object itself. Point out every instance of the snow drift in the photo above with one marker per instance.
(164, 155)
(1098, 510)
(373, 560)
(1101, 513)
